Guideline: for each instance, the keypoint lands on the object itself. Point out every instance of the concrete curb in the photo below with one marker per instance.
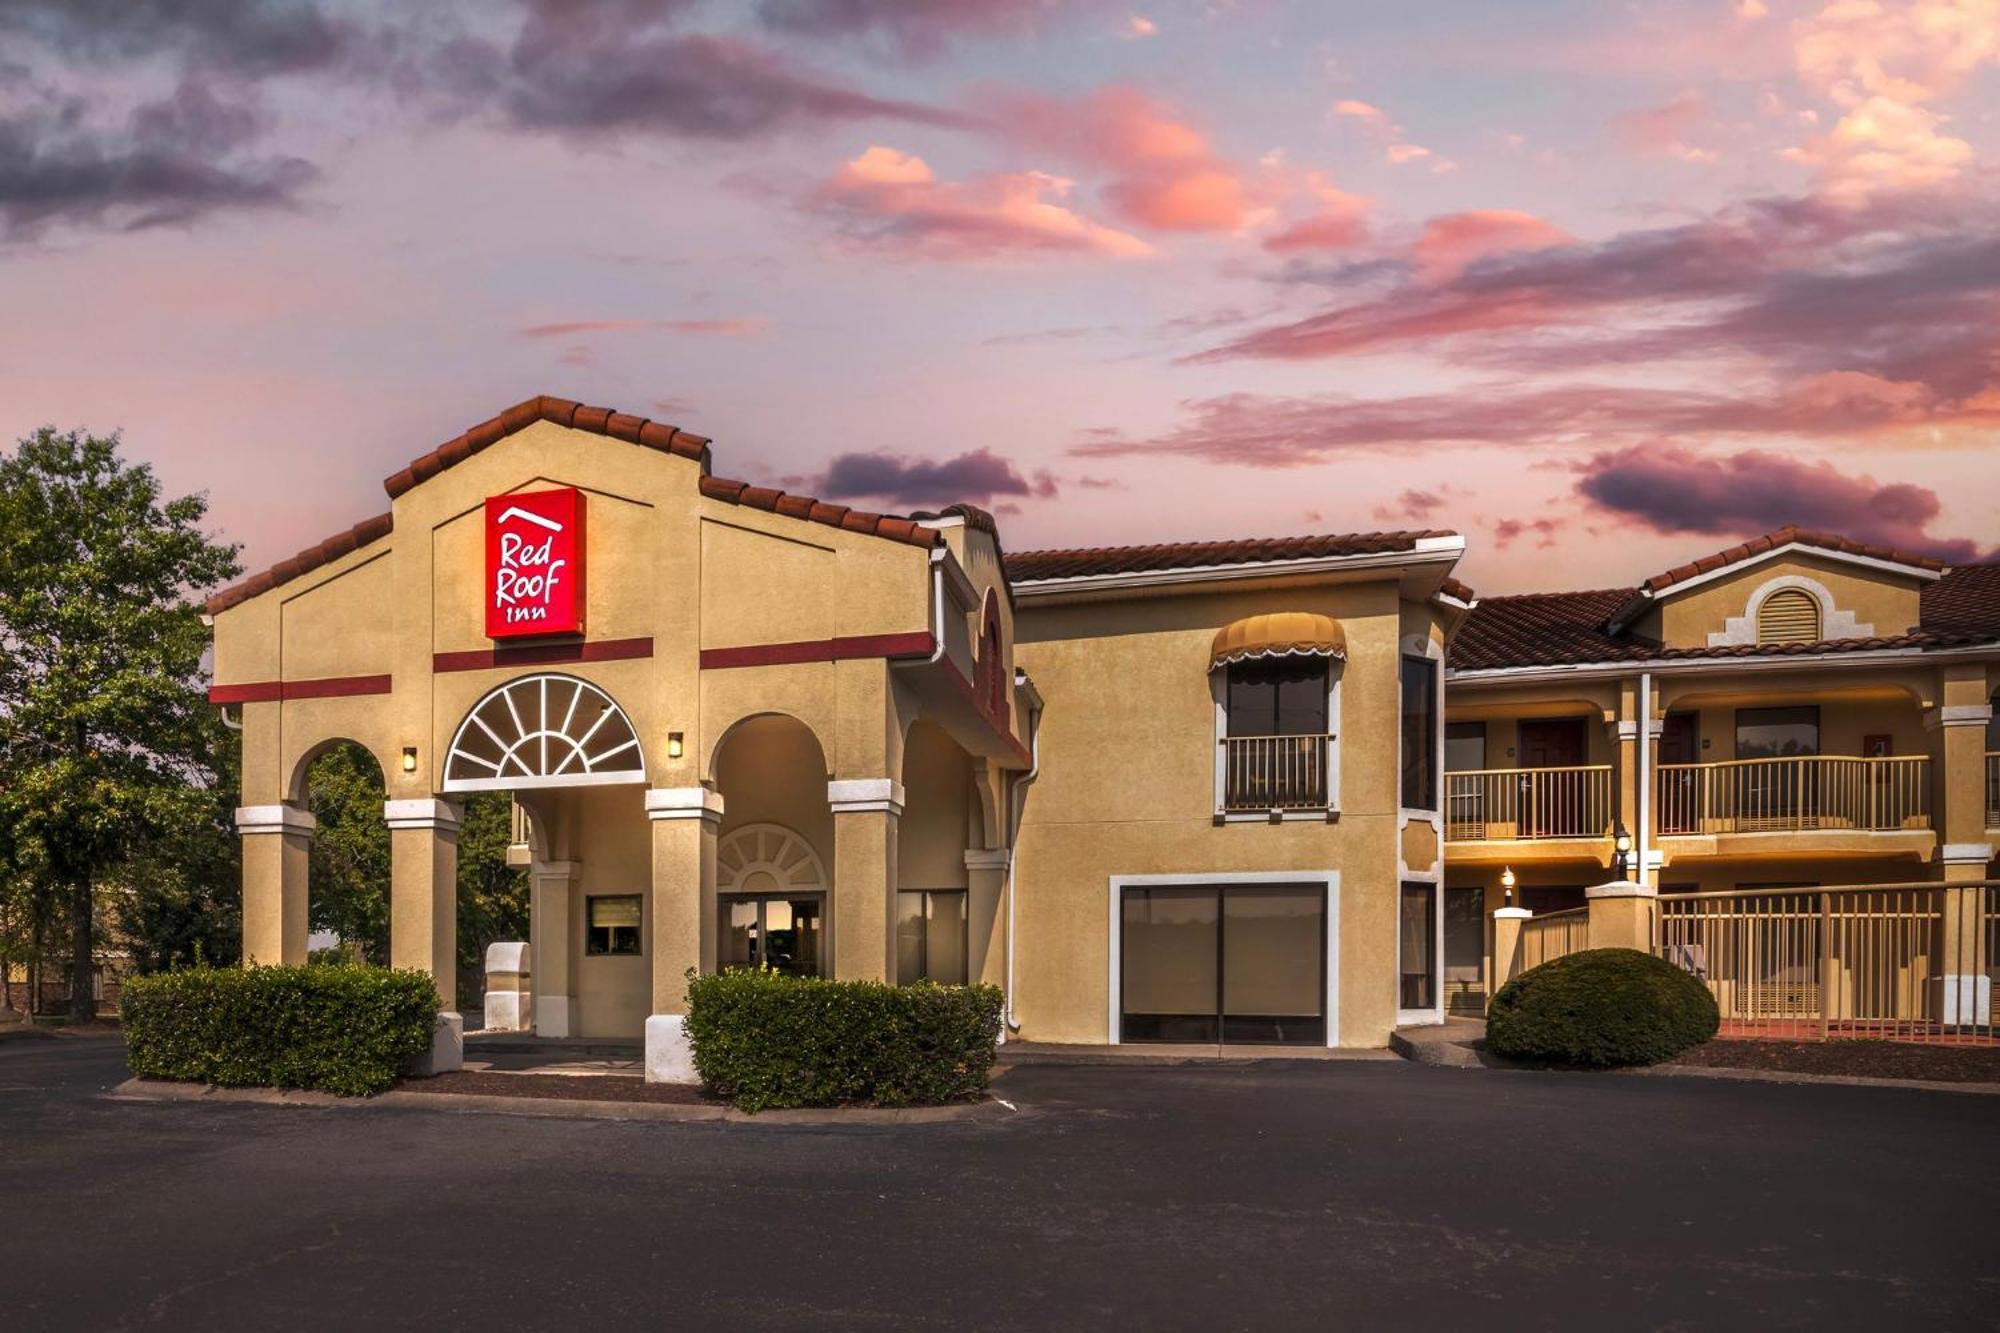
(1017, 1056)
(152, 1090)
(1788, 1076)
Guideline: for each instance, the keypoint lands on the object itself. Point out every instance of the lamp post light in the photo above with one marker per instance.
(1507, 886)
(1621, 842)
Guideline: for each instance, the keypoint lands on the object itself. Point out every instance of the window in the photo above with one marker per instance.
(1789, 616)
(1773, 733)
(931, 937)
(1464, 747)
(780, 931)
(1278, 696)
(1420, 733)
(1417, 924)
(611, 925)
(1204, 963)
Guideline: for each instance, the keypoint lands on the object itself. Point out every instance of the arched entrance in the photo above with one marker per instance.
(771, 889)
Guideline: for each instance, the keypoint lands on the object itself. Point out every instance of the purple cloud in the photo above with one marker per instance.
(979, 475)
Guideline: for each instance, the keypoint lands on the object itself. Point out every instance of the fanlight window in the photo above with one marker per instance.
(767, 858)
(1789, 616)
(543, 731)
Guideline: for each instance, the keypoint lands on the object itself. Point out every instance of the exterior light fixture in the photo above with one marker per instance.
(1621, 843)
(673, 745)
(409, 758)
(1507, 885)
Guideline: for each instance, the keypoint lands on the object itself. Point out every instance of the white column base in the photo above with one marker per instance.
(1964, 999)
(506, 1011)
(669, 1056)
(552, 1015)
(447, 1050)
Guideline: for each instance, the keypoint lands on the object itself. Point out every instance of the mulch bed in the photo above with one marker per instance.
(560, 1087)
(1856, 1059)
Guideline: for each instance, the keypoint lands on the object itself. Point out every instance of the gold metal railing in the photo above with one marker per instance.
(1485, 805)
(1793, 794)
(1553, 935)
(1275, 772)
(1908, 962)
(1993, 791)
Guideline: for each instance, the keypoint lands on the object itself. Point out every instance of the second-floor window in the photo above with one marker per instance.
(1277, 743)
(1420, 733)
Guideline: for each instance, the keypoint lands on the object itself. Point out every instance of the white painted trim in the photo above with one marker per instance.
(1512, 914)
(683, 803)
(848, 796)
(1218, 692)
(988, 858)
(1774, 661)
(1327, 879)
(423, 813)
(1958, 715)
(1427, 551)
(1434, 1015)
(274, 819)
(1680, 586)
(1620, 888)
(1328, 816)
(567, 780)
(1834, 623)
(1965, 853)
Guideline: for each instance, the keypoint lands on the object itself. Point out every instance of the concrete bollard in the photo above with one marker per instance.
(509, 987)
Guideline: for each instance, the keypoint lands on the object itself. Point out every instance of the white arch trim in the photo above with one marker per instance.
(1833, 624)
(544, 730)
(768, 858)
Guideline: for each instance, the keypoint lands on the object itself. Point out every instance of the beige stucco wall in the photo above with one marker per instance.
(1128, 788)
(1877, 598)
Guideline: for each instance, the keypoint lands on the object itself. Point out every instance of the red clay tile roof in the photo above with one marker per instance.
(1961, 608)
(1031, 566)
(599, 421)
(1453, 588)
(1787, 535)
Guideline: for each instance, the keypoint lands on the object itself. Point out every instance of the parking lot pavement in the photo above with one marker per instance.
(1282, 1195)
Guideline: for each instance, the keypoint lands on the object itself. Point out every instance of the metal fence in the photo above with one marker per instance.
(1552, 935)
(1908, 962)
(1795, 793)
(1275, 772)
(1493, 803)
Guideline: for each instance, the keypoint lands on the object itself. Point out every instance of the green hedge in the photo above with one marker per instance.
(763, 1039)
(1601, 1008)
(334, 1027)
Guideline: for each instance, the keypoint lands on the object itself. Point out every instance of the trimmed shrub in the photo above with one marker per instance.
(1600, 1009)
(763, 1039)
(333, 1027)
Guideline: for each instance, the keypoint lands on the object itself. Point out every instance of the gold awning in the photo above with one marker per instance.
(1279, 634)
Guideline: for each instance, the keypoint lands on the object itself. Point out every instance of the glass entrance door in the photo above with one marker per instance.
(783, 932)
(1206, 964)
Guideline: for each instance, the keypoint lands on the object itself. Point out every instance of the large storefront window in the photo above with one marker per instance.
(1420, 733)
(931, 937)
(1208, 963)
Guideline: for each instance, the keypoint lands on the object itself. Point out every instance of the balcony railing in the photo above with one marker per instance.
(1275, 772)
(1993, 791)
(1795, 794)
(1487, 805)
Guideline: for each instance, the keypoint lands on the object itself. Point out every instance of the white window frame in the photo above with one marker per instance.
(1326, 879)
(1218, 690)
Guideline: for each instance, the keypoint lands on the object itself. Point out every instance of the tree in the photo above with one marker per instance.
(102, 741)
(350, 852)
(492, 895)
(178, 902)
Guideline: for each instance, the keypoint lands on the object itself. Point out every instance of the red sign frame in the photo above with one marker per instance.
(535, 564)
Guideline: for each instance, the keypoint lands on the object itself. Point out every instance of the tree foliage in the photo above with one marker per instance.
(105, 747)
(349, 886)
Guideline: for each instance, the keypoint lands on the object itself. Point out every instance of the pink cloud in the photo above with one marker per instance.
(892, 202)
(1163, 171)
(721, 328)
(1340, 222)
(1663, 130)
(1448, 244)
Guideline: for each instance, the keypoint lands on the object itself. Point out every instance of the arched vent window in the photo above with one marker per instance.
(1789, 616)
(543, 731)
(767, 858)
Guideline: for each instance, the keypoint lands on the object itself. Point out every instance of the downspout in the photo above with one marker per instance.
(1645, 792)
(939, 554)
(1017, 802)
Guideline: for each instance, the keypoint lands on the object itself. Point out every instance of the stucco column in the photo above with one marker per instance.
(986, 915)
(1964, 986)
(423, 912)
(1506, 946)
(550, 886)
(277, 847)
(684, 823)
(1621, 915)
(865, 813)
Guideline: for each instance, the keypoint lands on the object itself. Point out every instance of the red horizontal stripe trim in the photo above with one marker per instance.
(270, 691)
(919, 644)
(543, 654)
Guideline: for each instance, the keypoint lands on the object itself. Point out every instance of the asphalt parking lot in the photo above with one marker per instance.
(1281, 1195)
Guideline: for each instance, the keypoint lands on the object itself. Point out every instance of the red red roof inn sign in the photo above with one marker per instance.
(534, 563)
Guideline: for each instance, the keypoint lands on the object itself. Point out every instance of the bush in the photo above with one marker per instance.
(334, 1027)
(1601, 1008)
(763, 1039)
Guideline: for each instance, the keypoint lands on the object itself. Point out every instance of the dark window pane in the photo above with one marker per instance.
(1279, 696)
(611, 925)
(1768, 733)
(1252, 701)
(909, 938)
(1464, 747)
(1419, 734)
(944, 938)
(1273, 964)
(1417, 946)
(1169, 990)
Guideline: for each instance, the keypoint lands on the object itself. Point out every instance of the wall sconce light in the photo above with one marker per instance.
(1621, 844)
(674, 748)
(409, 758)
(1507, 885)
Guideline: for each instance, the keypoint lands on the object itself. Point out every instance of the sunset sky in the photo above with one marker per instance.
(1602, 285)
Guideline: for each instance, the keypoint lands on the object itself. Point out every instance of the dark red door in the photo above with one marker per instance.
(1680, 743)
(1553, 805)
